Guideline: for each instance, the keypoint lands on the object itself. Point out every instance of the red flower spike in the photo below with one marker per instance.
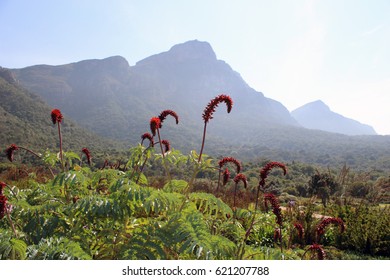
(56, 116)
(213, 104)
(155, 123)
(275, 207)
(3, 205)
(225, 160)
(327, 221)
(167, 145)
(87, 154)
(300, 230)
(226, 176)
(10, 152)
(264, 172)
(149, 137)
(165, 113)
(240, 177)
(318, 249)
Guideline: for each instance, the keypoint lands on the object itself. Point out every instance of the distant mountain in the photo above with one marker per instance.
(25, 121)
(317, 115)
(116, 100)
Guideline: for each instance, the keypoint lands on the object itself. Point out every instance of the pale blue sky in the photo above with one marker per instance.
(292, 51)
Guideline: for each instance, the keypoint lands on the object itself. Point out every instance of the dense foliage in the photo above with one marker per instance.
(162, 204)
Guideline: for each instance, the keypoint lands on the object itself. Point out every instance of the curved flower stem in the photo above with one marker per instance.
(37, 155)
(30, 151)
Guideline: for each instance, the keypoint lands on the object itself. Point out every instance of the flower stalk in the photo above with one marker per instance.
(56, 117)
(208, 115)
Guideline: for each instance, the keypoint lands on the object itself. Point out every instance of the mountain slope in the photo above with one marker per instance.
(117, 101)
(317, 115)
(25, 120)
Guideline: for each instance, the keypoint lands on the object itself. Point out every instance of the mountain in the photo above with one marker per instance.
(25, 121)
(117, 100)
(317, 115)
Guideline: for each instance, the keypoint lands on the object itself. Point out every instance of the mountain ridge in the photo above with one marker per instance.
(119, 104)
(26, 121)
(318, 115)
(177, 79)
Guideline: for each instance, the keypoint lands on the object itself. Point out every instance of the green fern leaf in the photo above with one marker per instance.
(208, 204)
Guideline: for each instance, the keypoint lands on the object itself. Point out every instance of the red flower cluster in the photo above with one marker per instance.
(300, 230)
(336, 221)
(3, 205)
(56, 116)
(241, 177)
(226, 176)
(223, 161)
(318, 249)
(264, 172)
(167, 145)
(149, 137)
(10, 152)
(165, 113)
(155, 123)
(213, 104)
(275, 206)
(87, 154)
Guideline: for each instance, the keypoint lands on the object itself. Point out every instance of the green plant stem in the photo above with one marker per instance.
(37, 155)
(163, 156)
(11, 223)
(219, 180)
(203, 140)
(60, 138)
(141, 170)
(241, 254)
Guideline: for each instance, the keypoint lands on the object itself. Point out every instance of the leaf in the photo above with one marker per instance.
(57, 248)
(159, 202)
(179, 186)
(11, 248)
(209, 204)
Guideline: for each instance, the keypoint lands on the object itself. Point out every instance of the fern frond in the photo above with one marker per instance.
(179, 186)
(57, 249)
(194, 234)
(208, 204)
(11, 248)
(93, 207)
(159, 202)
(222, 248)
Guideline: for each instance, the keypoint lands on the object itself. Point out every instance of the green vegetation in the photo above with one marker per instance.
(163, 204)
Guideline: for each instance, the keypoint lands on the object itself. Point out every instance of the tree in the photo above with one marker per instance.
(322, 185)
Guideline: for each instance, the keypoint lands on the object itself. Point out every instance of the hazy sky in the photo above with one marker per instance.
(292, 51)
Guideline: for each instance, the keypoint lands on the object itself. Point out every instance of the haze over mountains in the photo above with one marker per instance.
(317, 115)
(25, 120)
(116, 100)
